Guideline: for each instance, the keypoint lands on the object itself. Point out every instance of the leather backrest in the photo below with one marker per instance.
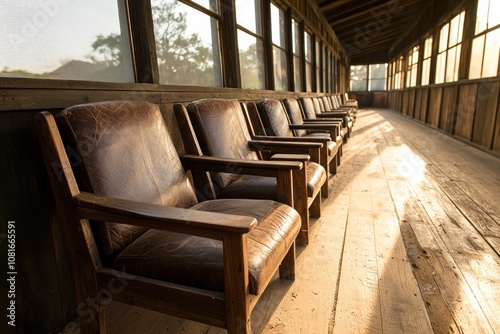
(221, 130)
(335, 100)
(274, 118)
(123, 149)
(318, 106)
(294, 112)
(308, 107)
(326, 103)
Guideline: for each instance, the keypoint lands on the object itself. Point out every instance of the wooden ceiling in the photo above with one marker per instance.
(368, 28)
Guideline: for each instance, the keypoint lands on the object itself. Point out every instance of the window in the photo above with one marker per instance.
(448, 58)
(486, 43)
(325, 69)
(296, 56)
(397, 73)
(309, 66)
(318, 66)
(377, 77)
(426, 64)
(187, 44)
(279, 48)
(359, 78)
(411, 73)
(250, 44)
(60, 42)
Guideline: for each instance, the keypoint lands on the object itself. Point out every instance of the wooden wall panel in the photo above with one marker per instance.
(380, 100)
(435, 106)
(411, 103)
(44, 284)
(466, 111)
(404, 109)
(496, 132)
(424, 104)
(448, 109)
(418, 104)
(486, 114)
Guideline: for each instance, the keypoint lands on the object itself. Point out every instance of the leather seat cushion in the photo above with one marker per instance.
(332, 145)
(261, 187)
(198, 262)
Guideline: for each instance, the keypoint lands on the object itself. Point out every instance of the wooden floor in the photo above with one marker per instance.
(408, 242)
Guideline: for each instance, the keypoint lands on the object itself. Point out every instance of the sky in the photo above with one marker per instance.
(38, 36)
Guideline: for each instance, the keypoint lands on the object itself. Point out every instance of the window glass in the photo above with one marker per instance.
(308, 52)
(411, 74)
(251, 61)
(494, 14)
(278, 26)
(208, 4)
(476, 59)
(443, 37)
(61, 42)
(426, 64)
(280, 78)
(440, 68)
(248, 15)
(482, 16)
(318, 67)
(485, 45)
(448, 59)
(377, 77)
(359, 78)
(490, 67)
(187, 45)
(296, 56)
(279, 52)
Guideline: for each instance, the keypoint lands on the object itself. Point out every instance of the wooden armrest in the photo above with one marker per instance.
(287, 142)
(332, 129)
(238, 166)
(312, 141)
(323, 120)
(290, 157)
(315, 126)
(288, 147)
(194, 222)
(333, 113)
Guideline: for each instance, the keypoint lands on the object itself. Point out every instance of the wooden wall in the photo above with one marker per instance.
(467, 110)
(370, 99)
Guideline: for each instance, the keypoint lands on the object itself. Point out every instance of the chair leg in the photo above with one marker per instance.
(300, 201)
(236, 284)
(315, 208)
(324, 189)
(333, 165)
(287, 266)
(91, 317)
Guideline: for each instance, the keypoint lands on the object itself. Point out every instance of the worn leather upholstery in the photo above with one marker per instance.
(311, 108)
(276, 123)
(123, 149)
(221, 131)
(294, 112)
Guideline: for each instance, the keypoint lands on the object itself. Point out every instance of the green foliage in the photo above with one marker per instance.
(182, 58)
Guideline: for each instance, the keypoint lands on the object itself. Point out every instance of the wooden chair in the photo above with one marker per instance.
(273, 121)
(312, 110)
(216, 127)
(136, 233)
(296, 116)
